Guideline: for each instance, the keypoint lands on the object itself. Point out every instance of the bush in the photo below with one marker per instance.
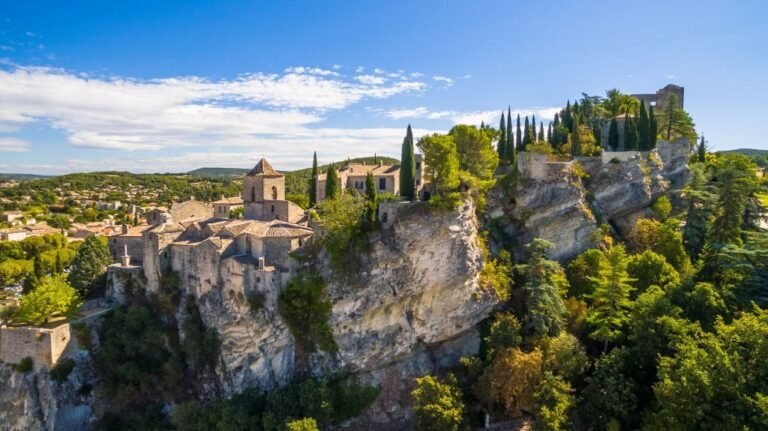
(255, 301)
(306, 424)
(303, 305)
(61, 371)
(26, 365)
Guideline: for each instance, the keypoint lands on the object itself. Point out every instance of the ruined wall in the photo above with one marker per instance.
(44, 345)
(117, 245)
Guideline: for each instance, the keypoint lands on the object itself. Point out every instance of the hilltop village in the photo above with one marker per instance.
(500, 277)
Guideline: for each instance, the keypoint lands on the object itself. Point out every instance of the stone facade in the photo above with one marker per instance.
(658, 99)
(223, 206)
(264, 196)
(386, 178)
(44, 345)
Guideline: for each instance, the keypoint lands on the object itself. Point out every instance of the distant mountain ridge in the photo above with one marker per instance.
(21, 177)
(218, 172)
(747, 151)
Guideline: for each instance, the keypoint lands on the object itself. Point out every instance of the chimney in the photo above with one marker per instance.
(125, 259)
(261, 264)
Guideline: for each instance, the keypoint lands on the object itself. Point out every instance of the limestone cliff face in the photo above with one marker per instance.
(557, 202)
(34, 402)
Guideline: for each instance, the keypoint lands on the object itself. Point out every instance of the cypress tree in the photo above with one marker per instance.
(408, 168)
(549, 133)
(541, 132)
(702, 151)
(533, 127)
(511, 151)
(567, 117)
(331, 183)
(501, 147)
(371, 198)
(313, 182)
(526, 134)
(482, 125)
(519, 136)
(613, 135)
(575, 137)
(59, 266)
(643, 129)
(653, 131)
(630, 134)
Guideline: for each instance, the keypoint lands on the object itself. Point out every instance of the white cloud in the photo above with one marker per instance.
(14, 145)
(671, 76)
(371, 79)
(470, 117)
(359, 69)
(379, 71)
(416, 75)
(273, 110)
(444, 79)
(467, 76)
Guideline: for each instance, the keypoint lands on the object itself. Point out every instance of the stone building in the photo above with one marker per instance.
(264, 196)
(658, 99)
(224, 206)
(179, 211)
(386, 178)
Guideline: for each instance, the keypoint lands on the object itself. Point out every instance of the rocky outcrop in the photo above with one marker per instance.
(564, 202)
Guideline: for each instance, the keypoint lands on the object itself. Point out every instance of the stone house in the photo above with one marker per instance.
(13, 234)
(223, 206)
(191, 209)
(658, 99)
(386, 178)
(11, 216)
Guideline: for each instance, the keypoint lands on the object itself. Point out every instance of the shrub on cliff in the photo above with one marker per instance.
(306, 310)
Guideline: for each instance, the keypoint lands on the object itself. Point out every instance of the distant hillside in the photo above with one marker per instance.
(21, 177)
(748, 152)
(218, 172)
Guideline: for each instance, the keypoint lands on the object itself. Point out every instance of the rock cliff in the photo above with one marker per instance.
(565, 202)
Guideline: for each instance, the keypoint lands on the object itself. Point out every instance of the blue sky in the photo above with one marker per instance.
(158, 86)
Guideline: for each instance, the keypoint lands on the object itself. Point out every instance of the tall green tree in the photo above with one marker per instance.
(613, 135)
(528, 137)
(313, 182)
(437, 406)
(519, 136)
(59, 265)
(653, 127)
(611, 298)
(675, 123)
(549, 133)
(371, 198)
(545, 283)
(53, 296)
(89, 269)
(630, 134)
(511, 150)
(533, 128)
(541, 132)
(736, 183)
(566, 116)
(700, 196)
(702, 151)
(408, 168)
(643, 129)
(332, 190)
(575, 136)
(442, 162)
(501, 147)
(475, 151)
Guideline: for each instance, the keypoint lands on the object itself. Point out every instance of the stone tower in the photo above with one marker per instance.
(264, 195)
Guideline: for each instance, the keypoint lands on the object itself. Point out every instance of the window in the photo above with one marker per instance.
(273, 208)
(384, 218)
(248, 245)
(253, 194)
(274, 193)
(418, 165)
(382, 183)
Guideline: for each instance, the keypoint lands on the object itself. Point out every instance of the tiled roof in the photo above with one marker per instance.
(229, 201)
(264, 168)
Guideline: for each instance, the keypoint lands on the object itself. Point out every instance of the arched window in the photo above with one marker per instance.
(274, 193)
(253, 194)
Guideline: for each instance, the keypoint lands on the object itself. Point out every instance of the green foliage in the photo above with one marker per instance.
(501, 146)
(307, 311)
(613, 135)
(496, 275)
(300, 200)
(662, 208)
(611, 302)
(553, 400)
(437, 406)
(88, 271)
(649, 268)
(53, 296)
(545, 283)
(25, 365)
(332, 185)
(343, 228)
(716, 381)
(201, 344)
(565, 356)
(313, 181)
(371, 199)
(14, 270)
(408, 167)
(442, 160)
(305, 424)
(62, 370)
(505, 332)
(609, 395)
(475, 151)
(582, 270)
(674, 122)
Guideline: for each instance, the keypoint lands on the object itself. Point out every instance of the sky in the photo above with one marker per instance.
(170, 86)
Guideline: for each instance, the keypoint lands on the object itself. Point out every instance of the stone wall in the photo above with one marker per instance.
(117, 245)
(44, 345)
(122, 280)
(621, 156)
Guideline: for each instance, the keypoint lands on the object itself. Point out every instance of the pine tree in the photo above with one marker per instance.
(511, 150)
(575, 137)
(331, 183)
(613, 135)
(643, 129)
(408, 168)
(702, 151)
(611, 300)
(59, 265)
(519, 136)
(541, 132)
(89, 269)
(482, 125)
(501, 147)
(653, 128)
(528, 137)
(313, 182)
(546, 310)
(371, 198)
(549, 133)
